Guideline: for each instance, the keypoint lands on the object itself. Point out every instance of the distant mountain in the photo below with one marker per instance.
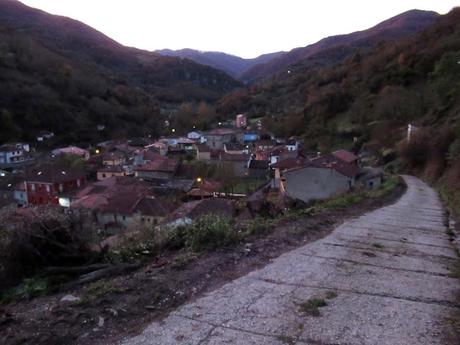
(231, 64)
(61, 75)
(336, 48)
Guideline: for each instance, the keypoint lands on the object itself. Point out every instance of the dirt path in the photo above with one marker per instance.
(384, 277)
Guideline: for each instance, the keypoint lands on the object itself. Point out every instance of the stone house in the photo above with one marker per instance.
(216, 138)
(119, 202)
(370, 177)
(315, 182)
(111, 171)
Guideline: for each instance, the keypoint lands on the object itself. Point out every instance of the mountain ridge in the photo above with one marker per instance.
(401, 25)
(231, 64)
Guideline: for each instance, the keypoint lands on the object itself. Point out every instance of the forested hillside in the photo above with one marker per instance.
(372, 93)
(60, 75)
(334, 49)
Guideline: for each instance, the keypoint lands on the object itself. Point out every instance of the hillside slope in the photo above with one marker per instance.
(231, 64)
(370, 95)
(61, 75)
(335, 48)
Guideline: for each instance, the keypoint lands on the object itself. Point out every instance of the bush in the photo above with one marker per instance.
(210, 232)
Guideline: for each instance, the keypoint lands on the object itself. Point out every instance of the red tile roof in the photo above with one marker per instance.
(290, 163)
(53, 174)
(346, 156)
(164, 164)
(332, 162)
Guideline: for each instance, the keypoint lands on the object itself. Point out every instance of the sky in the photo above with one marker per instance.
(245, 28)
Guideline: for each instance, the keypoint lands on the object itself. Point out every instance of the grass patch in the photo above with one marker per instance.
(378, 245)
(99, 289)
(311, 306)
(342, 201)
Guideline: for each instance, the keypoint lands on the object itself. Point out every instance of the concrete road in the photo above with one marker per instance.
(385, 278)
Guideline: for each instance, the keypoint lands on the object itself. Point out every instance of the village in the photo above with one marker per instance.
(121, 185)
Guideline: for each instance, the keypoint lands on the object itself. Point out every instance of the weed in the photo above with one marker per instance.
(210, 232)
(311, 306)
(378, 245)
(331, 295)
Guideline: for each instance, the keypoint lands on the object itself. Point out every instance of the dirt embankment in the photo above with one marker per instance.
(110, 309)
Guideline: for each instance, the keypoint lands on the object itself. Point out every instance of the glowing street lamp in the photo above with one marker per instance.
(173, 130)
(97, 151)
(199, 179)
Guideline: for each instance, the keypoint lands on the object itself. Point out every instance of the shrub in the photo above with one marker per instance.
(210, 232)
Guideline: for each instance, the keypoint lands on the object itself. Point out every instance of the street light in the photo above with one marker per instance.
(199, 179)
(97, 151)
(173, 130)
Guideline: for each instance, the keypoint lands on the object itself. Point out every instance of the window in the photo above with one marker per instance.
(78, 183)
(61, 187)
(48, 188)
(124, 217)
(32, 187)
